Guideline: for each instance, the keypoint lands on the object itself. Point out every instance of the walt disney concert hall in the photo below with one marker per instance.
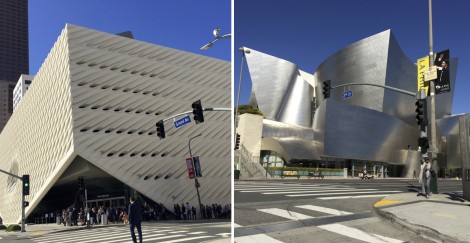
(358, 126)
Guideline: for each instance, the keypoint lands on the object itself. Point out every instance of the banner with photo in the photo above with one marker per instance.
(423, 65)
(442, 83)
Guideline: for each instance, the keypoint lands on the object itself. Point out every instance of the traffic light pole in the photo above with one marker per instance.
(190, 112)
(378, 85)
(22, 199)
(434, 150)
(196, 183)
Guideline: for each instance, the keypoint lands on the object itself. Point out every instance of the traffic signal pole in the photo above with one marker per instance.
(434, 150)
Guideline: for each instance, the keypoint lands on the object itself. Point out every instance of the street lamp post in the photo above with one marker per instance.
(433, 154)
(196, 183)
(243, 51)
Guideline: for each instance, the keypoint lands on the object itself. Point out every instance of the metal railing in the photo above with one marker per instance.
(249, 164)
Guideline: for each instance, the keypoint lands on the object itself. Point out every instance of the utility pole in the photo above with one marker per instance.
(433, 154)
(196, 183)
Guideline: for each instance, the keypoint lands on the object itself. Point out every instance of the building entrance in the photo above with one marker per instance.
(107, 202)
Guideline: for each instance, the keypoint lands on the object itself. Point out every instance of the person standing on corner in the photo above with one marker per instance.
(135, 218)
(425, 177)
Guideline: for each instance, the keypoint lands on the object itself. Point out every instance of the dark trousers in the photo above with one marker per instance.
(139, 231)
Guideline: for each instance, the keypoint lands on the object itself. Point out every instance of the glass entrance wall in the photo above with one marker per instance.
(274, 159)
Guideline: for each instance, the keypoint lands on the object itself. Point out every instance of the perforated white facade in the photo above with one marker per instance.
(98, 96)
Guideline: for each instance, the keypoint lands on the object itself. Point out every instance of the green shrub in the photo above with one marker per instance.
(2, 227)
(13, 227)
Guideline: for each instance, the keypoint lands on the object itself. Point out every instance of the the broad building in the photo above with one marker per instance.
(91, 111)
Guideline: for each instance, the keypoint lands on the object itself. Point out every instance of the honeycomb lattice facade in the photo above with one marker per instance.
(98, 96)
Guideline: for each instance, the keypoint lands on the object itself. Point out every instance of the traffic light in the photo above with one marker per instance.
(421, 112)
(326, 88)
(25, 185)
(81, 182)
(424, 144)
(197, 112)
(237, 141)
(160, 130)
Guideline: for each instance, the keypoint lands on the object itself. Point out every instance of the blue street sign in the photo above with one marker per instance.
(183, 121)
(347, 94)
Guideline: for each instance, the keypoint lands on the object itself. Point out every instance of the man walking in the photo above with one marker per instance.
(425, 177)
(135, 218)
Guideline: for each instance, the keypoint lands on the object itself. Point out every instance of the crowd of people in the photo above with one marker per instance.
(214, 211)
(119, 214)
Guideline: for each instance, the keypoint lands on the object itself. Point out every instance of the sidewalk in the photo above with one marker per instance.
(442, 217)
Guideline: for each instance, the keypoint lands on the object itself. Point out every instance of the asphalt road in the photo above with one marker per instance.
(320, 210)
(152, 232)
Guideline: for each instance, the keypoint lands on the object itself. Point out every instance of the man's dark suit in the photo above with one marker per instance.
(135, 218)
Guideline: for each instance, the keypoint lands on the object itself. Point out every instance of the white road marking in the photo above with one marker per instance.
(349, 197)
(336, 193)
(187, 239)
(285, 214)
(256, 238)
(358, 234)
(324, 210)
(326, 190)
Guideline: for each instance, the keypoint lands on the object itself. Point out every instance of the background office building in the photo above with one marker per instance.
(358, 126)
(91, 111)
(20, 89)
(14, 52)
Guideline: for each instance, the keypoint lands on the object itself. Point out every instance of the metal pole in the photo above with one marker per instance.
(243, 51)
(22, 208)
(267, 165)
(434, 149)
(196, 183)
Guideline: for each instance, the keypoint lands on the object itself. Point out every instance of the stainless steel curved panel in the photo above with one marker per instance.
(281, 93)
(292, 148)
(355, 132)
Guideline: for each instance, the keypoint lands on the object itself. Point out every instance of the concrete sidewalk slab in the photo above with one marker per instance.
(442, 217)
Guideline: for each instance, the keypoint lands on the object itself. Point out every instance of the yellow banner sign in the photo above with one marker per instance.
(423, 65)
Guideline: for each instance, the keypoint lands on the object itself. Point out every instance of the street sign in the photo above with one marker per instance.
(430, 73)
(347, 94)
(183, 121)
(189, 164)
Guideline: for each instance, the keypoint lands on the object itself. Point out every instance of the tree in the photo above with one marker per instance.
(242, 109)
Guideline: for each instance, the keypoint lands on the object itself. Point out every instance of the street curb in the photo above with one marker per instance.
(421, 230)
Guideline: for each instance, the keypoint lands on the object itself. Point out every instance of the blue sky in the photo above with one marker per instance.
(306, 32)
(181, 24)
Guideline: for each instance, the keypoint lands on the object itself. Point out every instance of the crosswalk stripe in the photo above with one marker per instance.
(336, 193)
(358, 234)
(324, 210)
(197, 233)
(144, 236)
(283, 186)
(294, 189)
(68, 235)
(299, 192)
(236, 225)
(349, 197)
(256, 238)
(162, 238)
(186, 239)
(285, 214)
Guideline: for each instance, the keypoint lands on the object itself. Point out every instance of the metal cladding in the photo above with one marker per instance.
(373, 124)
(96, 99)
(280, 89)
